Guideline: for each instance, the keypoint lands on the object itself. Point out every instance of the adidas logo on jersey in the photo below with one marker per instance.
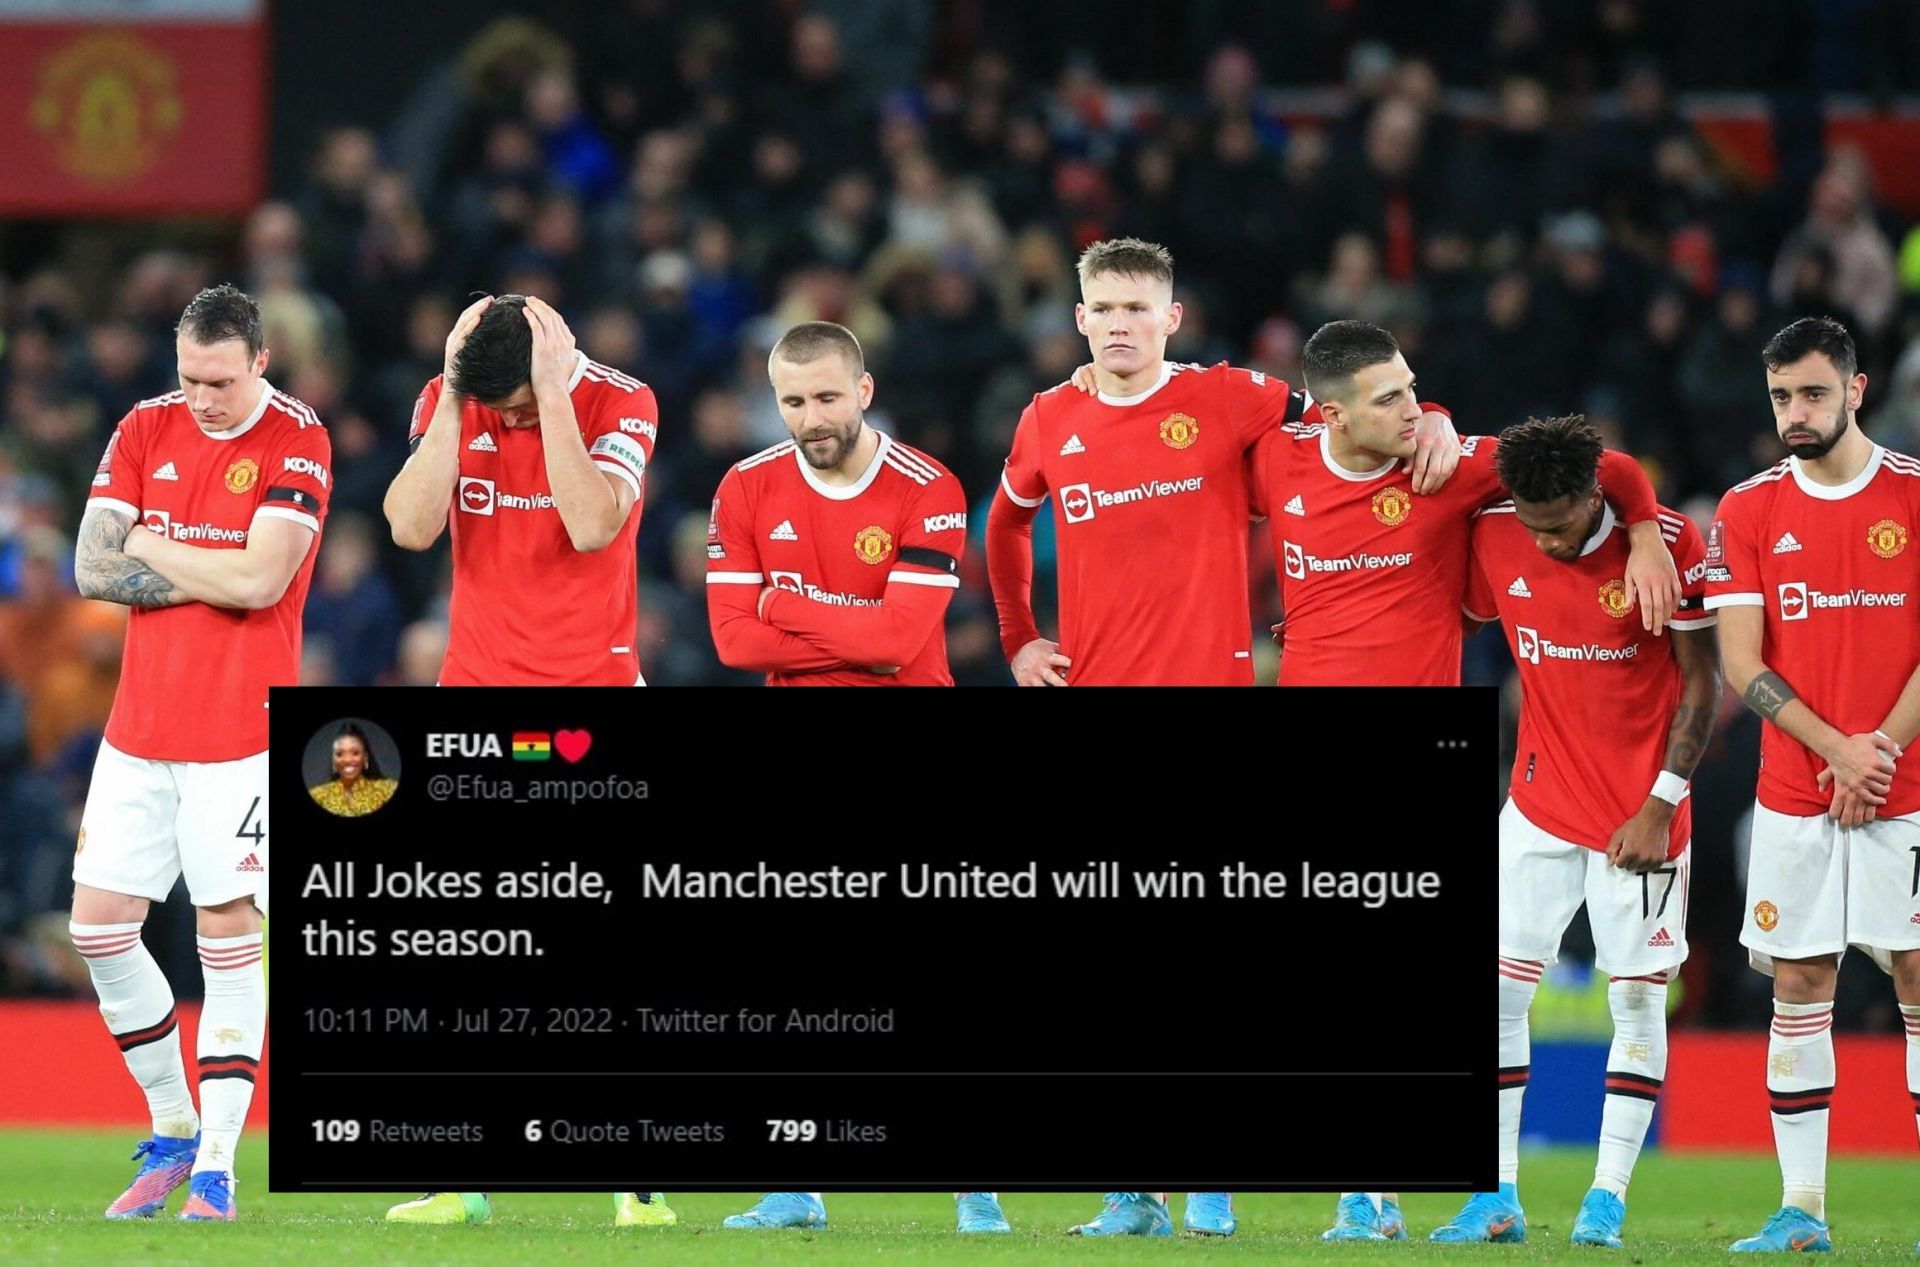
(1072, 446)
(1293, 506)
(250, 863)
(166, 473)
(1519, 588)
(784, 532)
(483, 443)
(1787, 544)
(1661, 939)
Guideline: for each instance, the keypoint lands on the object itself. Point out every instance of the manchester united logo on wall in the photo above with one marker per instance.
(108, 103)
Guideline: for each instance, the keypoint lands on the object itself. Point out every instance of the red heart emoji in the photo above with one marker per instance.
(572, 744)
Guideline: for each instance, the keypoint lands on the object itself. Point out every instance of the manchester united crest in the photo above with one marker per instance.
(1887, 538)
(1613, 599)
(1767, 915)
(1391, 506)
(873, 544)
(243, 475)
(1179, 431)
(109, 103)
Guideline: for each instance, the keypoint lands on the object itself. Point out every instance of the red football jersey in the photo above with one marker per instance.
(1151, 507)
(1832, 568)
(208, 490)
(1599, 691)
(528, 609)
(865, 571)
(1371, 574)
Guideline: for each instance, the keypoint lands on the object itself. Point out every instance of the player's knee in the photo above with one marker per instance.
(1805, 980)
(99, 906)
(1906, 975)
(238, 918)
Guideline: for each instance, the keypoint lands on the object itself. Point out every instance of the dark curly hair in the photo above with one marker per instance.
(1545, 459)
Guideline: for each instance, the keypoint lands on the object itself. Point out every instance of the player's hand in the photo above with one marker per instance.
(134, 546)
(1862, 766)
(1040, 663)
(883, 670)
(1640, 843)
(1279, 632)
(1847, 809)
(462, 328)
(761, 610)
(553, 349)
(1084, 380)
(1869, 761)
(1437, 454)
(1653, 583)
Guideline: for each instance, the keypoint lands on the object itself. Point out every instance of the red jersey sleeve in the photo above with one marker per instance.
(1690, 557)
(925, 574)
(299, 478)
(423, 407)
(1023, 490)
(620, 438)
(1256, 460)
(1628, 487)
(1732, 558)
(734, 582)
(1024, 480)
(1478, 601)
(1258, 403)
(119, 482)
(1478, 475)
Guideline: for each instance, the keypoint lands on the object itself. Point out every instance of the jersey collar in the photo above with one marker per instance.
(580, 363)
(1358, 477)
(1836, 492)
(1599, 538)
(834, 492)
(1166, 376)
(259, 412)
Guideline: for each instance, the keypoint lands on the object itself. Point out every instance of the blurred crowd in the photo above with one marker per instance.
(1516, 188)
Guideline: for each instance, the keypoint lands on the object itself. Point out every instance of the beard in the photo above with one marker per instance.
(827, 457)
(1813, 448)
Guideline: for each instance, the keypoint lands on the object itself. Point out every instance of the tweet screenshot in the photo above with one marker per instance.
(605, 940)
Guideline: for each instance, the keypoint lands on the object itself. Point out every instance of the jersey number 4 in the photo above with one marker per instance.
(251, 828)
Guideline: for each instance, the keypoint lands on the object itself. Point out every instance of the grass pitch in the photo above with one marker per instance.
(1683, 1209)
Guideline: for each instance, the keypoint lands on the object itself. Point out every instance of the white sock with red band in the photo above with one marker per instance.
(137, 1004)
(1636, 1068)
(1519, 978)
(1800, 1076)
(233, 1026)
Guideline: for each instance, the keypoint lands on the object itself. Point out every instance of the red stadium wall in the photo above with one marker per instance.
(62, 1068)
(132, 109)
(1716, 1095)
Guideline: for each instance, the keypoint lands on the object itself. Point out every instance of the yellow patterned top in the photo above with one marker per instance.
(365, 797)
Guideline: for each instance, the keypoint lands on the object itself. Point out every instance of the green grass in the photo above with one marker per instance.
(1683, 1210)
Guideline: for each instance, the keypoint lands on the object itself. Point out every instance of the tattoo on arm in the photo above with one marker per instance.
(1768, 693)
(1693, 721)
(102, 569)
(1687, 737)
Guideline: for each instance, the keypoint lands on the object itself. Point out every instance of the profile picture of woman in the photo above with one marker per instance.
(359, 785)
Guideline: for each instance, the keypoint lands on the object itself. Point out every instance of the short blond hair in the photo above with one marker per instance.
(1127, 257)
(811, 340)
